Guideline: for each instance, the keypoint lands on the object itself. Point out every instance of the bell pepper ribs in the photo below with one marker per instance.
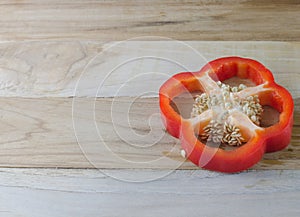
(237, 113)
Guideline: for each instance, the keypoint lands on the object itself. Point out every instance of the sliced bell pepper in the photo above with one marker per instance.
(259, 139)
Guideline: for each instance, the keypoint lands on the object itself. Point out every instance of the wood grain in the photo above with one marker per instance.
(93, 68)
(120, 132)
(118, 20)
(50, 192)
(49, 117)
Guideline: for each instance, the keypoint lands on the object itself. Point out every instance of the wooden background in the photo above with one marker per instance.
(54, 56)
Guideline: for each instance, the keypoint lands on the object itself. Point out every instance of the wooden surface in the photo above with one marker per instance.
(118, 20)
(53, 68)
(49, 107)
(74, 96)
(39, 132)
(50, 192)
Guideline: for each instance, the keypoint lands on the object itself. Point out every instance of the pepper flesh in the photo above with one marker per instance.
(260, 139)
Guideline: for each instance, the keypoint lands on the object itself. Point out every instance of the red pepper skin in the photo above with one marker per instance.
(269, 139)
(179, 83)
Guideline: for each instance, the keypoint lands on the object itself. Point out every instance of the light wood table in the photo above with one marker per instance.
(80, 128)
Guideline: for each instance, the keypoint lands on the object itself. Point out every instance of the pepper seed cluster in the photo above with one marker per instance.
(218, 133)
(226, 133)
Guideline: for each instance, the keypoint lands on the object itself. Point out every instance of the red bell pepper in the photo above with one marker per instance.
(259, 139)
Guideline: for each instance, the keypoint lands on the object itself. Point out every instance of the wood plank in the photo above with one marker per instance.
(54, 68)
(50, 192)
(38, 132)
(118, 20)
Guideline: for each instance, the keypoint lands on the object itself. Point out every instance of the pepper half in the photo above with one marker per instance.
(259, 139)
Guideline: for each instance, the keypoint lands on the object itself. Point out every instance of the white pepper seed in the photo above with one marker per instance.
(183, 153)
